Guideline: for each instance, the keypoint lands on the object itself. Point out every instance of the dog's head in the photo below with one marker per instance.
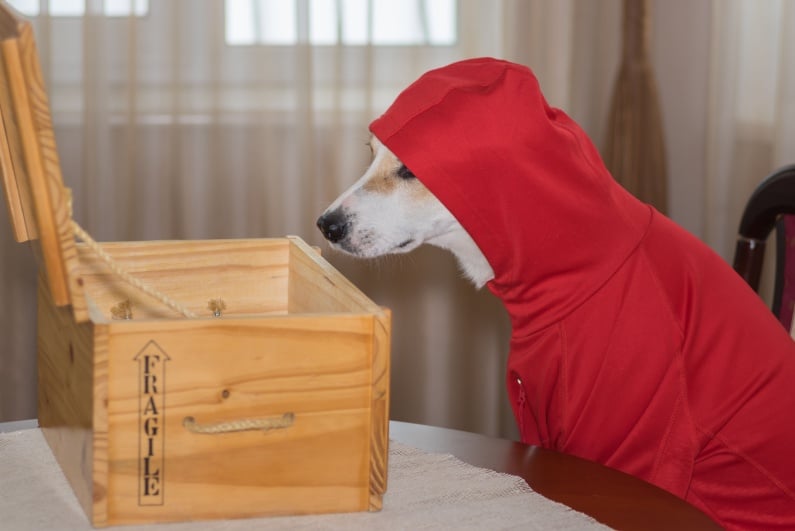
(388, 210)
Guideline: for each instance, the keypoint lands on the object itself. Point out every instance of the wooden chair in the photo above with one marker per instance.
(771, 205)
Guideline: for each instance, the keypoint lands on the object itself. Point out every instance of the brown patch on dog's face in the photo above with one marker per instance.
(391, 176)
(385, 181)
(389, 181)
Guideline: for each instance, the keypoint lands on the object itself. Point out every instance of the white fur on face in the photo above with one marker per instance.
(385, 212)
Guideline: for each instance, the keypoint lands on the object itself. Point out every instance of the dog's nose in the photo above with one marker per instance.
(333, 225)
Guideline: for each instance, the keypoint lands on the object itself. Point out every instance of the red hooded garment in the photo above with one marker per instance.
(633, 344)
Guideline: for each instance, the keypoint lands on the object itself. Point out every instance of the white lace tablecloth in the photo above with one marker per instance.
(426, 491)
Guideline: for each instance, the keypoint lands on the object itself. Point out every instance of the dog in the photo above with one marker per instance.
(633, 344)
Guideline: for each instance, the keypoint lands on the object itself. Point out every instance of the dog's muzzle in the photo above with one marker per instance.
(334, 225)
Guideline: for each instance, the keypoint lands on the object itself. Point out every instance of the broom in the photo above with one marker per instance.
(635, 149)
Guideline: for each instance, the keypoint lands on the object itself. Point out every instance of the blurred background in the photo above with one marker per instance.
(245, 118)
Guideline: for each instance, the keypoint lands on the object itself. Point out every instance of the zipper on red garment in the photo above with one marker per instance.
(522, 403)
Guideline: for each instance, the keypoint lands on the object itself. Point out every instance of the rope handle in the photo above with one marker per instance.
(265, 424)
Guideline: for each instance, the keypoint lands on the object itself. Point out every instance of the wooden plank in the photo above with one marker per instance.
(249, 275)
(45, 222)
(53, 200)
(65, 369)
(98, 513)
(379, 408)
(316, 287)
(15, 180)
(39, 204)
(315, 368)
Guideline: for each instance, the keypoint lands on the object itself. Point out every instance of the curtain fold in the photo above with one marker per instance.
(166, 131)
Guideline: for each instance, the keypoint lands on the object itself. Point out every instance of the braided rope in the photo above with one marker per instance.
(266, 424)
(126, 276)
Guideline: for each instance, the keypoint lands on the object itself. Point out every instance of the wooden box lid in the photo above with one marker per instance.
(38, 202)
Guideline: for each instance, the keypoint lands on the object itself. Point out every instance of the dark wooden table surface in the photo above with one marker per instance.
(611, 497)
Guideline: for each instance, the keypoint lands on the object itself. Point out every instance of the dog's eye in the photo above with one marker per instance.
(405, 173)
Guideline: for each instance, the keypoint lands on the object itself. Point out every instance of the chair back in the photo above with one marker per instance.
(772, 205)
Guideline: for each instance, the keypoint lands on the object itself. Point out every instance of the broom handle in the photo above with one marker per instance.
(635, 32)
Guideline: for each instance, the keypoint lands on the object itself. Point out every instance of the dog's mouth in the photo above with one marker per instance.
(366, 249)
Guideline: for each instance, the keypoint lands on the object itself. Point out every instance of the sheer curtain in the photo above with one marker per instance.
(166, 131)
(751, 124)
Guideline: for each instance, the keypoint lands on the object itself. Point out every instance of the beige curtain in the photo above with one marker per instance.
(164, 131)
(751, 119)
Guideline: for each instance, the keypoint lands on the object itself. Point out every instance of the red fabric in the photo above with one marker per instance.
(633, 344)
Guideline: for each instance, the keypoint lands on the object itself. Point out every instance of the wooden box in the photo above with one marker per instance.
(279, 405)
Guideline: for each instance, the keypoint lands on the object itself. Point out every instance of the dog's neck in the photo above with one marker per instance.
(471, 260)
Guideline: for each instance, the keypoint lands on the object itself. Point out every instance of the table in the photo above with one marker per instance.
(616, 499)
(611, 497)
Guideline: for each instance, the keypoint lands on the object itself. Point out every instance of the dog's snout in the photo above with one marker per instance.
(333, 225)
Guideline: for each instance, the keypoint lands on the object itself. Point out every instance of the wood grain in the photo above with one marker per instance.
(100, 428)
(315, 286)
(27, 125)
(379, 408)
(249, 275)
(15, 180)
(315, 367)
(59, 251)
(65, 383)
(45, 222)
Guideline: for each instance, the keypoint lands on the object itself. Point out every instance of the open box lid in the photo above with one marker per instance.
(38, 202)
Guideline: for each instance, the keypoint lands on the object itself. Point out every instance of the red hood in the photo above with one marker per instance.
(522, 178)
